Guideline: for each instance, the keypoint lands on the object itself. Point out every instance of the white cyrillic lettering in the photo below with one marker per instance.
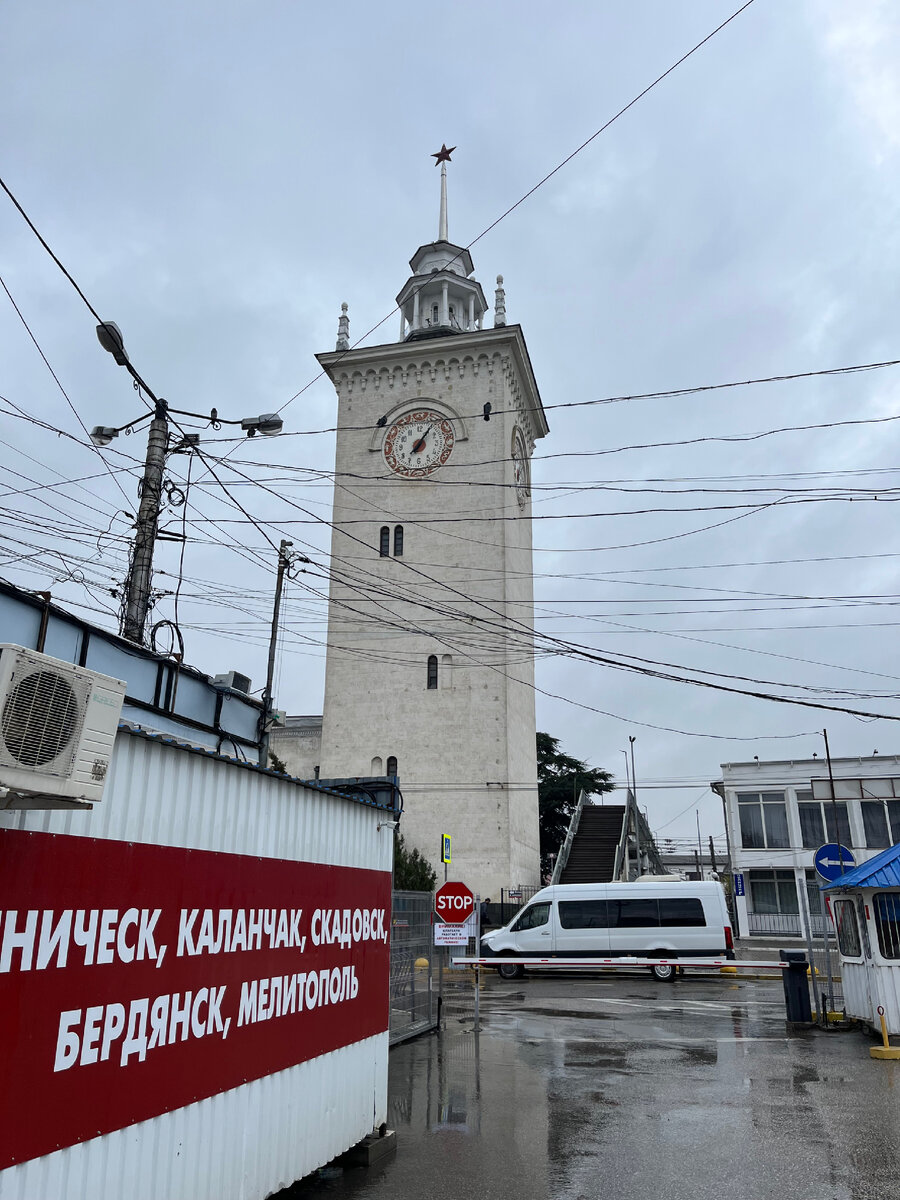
(281, 937)
(23, 940)
(254, 929)
(227, 1027)
(301, 980)
(269, 925)
(247, 1010)
(159, 1022)
(136, 1035)
(357, 925)
(262, 1011)
(334, 985)
(90, 1039)
(365, 925)
(82, 936)
(296, 914)
(312, 989)
(146, 947)
(54, 939)
(323, 986)
(214, 1020)
(275, 997)
(179, 1016)
(113, 1026)
(125, 952)
(186, 931)
(239, 941)
(107, 936)
(346, 936)
(223, 936)
(289, 994)
(354, 989)
(314, 928)
(335, 926)
(198, 1027)
(67, 1041)
(345, 982)
(205, 936)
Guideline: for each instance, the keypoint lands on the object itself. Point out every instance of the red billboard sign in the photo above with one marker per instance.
(135, 979)
(454, 903)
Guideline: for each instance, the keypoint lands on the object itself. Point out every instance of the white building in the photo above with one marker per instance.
(430, 660)
(779, 813)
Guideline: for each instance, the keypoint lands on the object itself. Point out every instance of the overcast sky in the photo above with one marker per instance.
(219, 177)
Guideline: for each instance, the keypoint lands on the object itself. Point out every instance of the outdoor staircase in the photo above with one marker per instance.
(592, 857)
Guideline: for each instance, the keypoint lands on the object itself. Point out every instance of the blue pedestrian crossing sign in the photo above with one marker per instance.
(445, 847)
(832, 861)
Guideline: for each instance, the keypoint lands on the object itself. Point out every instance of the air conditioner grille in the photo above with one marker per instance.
(41, 718)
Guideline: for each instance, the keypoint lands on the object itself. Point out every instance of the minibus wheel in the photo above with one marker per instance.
(510, 971)
(664, 971)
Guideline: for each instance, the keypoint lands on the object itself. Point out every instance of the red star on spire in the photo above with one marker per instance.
(443, 155)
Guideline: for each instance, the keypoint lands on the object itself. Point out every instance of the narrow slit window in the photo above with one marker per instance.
(384, 548)
(398, 541)
(391, 768)
(432, 672)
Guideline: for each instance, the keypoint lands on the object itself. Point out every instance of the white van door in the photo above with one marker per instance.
(532, 930)
(582, 928)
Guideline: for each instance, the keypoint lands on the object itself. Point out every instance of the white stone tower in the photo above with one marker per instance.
(430, 662)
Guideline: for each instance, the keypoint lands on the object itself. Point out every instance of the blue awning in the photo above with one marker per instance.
(881, 871)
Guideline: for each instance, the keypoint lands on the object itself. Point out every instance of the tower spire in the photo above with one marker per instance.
(443, 157)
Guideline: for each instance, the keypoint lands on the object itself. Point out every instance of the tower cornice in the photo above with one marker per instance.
(389, 367)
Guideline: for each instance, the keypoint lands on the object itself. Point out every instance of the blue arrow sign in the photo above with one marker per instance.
(827, 861)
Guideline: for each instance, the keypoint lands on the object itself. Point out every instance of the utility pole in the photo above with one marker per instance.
(712, 855)
(637, 815)
(834, 807)
(137, 584)
(699, 843)
(284, 562)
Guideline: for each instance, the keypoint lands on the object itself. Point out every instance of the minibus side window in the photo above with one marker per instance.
(634, 914)
(533, 917)
(681, 910)
(583, 914)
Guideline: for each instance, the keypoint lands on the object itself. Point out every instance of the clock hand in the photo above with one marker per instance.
(419, 446)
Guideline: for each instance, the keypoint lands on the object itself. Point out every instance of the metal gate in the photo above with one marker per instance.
(414, 1006)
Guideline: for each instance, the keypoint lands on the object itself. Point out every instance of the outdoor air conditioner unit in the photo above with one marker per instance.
(57, 728)
(233, 680)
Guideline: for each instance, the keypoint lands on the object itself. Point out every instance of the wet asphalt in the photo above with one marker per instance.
(617, 1086)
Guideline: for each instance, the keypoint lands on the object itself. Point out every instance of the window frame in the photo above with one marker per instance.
(432, 674)
(847, 931)
(398, 541)
(384, 542)
(391, 758)
(761, 807)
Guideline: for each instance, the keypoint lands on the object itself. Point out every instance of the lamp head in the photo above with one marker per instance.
(102, 435)
(110, 338)
(267, 423)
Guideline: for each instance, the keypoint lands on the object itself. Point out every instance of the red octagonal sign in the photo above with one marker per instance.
(454, 903)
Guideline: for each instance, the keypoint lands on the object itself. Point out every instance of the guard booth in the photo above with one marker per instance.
(865, 909)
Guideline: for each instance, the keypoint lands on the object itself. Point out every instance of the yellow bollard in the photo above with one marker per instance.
(728, 970)
(887, 1050)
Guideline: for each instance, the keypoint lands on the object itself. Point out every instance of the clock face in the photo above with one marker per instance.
(520, 468)
(418, 443)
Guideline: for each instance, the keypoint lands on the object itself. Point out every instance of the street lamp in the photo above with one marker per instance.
(137, 584)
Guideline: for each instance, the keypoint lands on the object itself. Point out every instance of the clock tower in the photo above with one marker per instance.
(430, 659)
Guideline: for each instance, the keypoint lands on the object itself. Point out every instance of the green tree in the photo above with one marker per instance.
(412, 871)
(560, 780)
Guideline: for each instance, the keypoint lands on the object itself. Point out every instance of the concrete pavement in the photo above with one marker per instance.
(618, 1086)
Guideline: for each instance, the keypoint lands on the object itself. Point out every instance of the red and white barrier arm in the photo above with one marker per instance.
(592, 963)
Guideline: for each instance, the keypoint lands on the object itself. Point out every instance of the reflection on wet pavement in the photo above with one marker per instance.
(583, 1088)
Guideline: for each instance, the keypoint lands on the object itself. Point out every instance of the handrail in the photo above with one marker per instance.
(563, 857)
(623, 838)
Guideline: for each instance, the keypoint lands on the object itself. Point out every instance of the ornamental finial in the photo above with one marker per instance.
(443, 157)
(499, 303)
(343, 337)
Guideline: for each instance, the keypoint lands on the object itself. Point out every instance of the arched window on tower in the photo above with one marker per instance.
(391, 768)
(446, 662)
(385, 546)
(432, 672)
(398, 541)
(435, 315)
(376, 765)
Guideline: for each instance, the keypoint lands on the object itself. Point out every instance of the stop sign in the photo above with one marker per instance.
(454, 903)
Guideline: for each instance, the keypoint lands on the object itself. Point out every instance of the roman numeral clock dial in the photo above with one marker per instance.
(418, 443)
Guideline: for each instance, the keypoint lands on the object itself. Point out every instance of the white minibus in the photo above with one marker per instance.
(654, 919)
